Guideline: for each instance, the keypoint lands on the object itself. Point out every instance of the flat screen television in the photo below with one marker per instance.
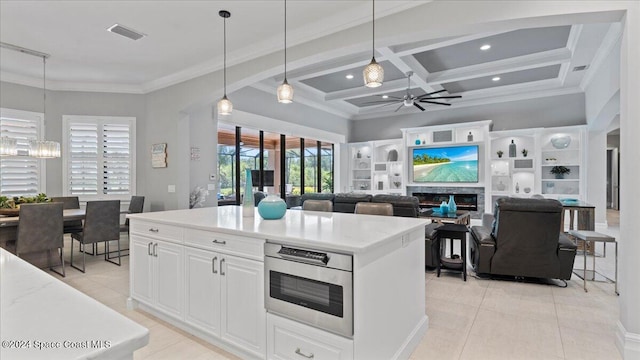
(268, 177)
(451, 164)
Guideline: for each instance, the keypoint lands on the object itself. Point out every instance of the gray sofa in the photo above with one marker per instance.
(407, 206)
(524, 239)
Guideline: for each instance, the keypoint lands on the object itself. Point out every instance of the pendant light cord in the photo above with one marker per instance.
(373, 31)
(44, 86)
(225, 55)
(285, 40)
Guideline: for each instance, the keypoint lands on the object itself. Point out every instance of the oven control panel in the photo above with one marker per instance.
(304, 254)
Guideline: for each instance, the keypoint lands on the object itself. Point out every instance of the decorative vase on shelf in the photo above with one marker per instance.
(512, 149)
(358, 155)
(452, 205)
(417, 141)
(501, 186)
(517, 188)
(470, 137)
(248, 207)
(272, 207)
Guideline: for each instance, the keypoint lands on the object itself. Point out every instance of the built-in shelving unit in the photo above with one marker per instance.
(513, 173)
(563, 147)
(377, 167)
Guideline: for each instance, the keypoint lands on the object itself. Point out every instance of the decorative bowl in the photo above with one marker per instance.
(272, 207)
(561, 141)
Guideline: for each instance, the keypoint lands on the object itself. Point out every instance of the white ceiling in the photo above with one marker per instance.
(185, 41)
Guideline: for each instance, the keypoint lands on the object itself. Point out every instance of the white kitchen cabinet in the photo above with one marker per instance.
(157, 274)
(292, 340)
(202, 282)
(225, 297)
(243, 314)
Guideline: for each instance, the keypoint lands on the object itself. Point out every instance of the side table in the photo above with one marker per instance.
(453, 232)
(592, 236)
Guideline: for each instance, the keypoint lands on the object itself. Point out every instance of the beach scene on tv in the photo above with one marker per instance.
(446, 164)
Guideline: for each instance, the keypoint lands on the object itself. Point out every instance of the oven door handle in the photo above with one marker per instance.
(321, 262)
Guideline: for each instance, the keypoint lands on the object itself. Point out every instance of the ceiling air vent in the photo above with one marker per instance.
(126, 32)
(581, 67)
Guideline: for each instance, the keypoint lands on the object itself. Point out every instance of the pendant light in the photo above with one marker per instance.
(42, 148)
(225, 107)
(285, 91)
(8, 146)
(373, 74)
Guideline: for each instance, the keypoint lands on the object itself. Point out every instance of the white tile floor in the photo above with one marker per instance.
(477, 319)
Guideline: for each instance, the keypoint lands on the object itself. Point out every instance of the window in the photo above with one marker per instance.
(99, 157)
(21, 175)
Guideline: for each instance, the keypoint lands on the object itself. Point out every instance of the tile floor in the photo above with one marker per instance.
(477, 319)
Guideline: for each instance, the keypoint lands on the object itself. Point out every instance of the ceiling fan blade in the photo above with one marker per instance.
(444, 97)
(434, 102)
(418, 106)
(399, 107)
(432, 93)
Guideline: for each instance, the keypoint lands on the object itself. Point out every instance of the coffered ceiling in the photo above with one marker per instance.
(184, 41)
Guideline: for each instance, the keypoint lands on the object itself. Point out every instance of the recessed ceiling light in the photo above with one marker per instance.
(485, 47)
(385, 96)
(497, 78)
(349, 76)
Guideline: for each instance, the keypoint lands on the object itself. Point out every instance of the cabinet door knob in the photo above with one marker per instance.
(213, 265)
(299, 352)
(221, 263)
(223, 242)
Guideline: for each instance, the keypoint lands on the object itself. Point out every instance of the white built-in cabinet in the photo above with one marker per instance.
(376, 167)
(210, 282)
(547, 148)
(157, 274)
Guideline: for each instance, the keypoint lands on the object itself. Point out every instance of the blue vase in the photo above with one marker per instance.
(444, 208)
(272, 207)
(452, 205)
(248, 207)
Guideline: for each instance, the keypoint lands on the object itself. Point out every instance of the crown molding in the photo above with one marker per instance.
(608, 43)
(70, 86)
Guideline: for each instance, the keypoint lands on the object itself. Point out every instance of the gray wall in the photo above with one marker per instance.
(541, 112)
(61, 103)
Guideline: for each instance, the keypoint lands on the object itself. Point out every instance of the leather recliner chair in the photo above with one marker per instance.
(524, 239)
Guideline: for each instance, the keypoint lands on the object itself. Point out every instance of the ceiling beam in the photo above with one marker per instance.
(401, 64)
(361, 91)
(572, 42)
(327, 67)
(524, 62)
(418, 47)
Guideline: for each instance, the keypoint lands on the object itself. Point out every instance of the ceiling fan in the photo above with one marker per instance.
(409, 99)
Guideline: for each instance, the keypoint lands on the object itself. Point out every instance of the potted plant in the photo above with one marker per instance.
(560, 171)
(499, 152)
(525, 152)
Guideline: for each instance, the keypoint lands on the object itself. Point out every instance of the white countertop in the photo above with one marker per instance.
(322, 230)
(38, 310)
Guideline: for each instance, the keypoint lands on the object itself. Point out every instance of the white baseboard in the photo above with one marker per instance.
(628, 343)
(414, 339)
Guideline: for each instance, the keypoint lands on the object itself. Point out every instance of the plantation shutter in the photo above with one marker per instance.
(100, 163)
(20, 175)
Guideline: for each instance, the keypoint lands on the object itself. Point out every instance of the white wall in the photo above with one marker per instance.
(541, 112)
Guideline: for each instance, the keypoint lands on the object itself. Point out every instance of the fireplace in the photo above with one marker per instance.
(467, 202)
(468, 198)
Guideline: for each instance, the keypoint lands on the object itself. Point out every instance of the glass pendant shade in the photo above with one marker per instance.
(225, 107)
(44, 149)
(8, 146)
(373, 74)
(285, 93)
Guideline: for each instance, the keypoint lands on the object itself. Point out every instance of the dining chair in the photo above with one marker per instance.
(374, 208)
(69, 202)
(318, 205)
(101, 224)
(135, 207)
(40, 228)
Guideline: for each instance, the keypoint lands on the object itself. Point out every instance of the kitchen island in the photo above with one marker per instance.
(44, 318)
(203, 271)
